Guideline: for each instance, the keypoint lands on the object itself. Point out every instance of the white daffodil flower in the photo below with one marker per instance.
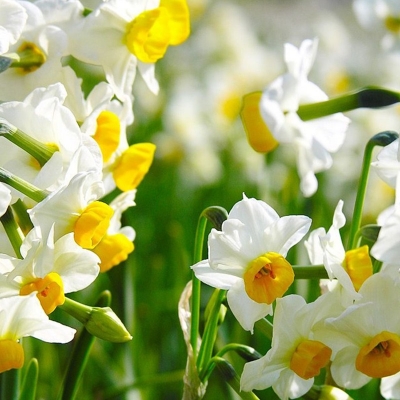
(43, 35)
(350, 268)
(43, 117)
(135, 35)
(22, 316)
(365, 338)
(295, 357)
(247, 258)
(313, 140)
(75, 208)
(12, 21)
(373, 14)
(50, 268)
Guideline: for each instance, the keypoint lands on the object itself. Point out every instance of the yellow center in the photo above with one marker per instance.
(151, 32)
(32, 55)
(12, 355)
(268, 277)
(392, 24)
(358, 265)
(309, 357)
(107, 133)
(133, 165)
(92, 224)
(259, 136)
(50, 291)
(381, 356)
(112, 250)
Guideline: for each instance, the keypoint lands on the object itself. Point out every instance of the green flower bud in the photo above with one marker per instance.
(105, 324)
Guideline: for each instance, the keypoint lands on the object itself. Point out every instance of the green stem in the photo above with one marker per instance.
(22, 216)
(367, 97)
(265, 327)
(80, 356)
(13, 231)
(216, 215)
(30, 381)
(9, 384)
(309, 272)
(210, 331)
(196, 285)
(380, 139)
(22, 186)
(232, 378)
(41, 152)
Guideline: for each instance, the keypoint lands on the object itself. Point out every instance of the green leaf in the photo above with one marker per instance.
(29, 385)
(5, 63)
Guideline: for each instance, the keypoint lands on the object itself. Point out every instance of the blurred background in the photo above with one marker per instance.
(203, 159)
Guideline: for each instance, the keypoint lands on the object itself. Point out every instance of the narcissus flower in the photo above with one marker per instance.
(271, 117)
(49, 268)
(247, 258)
(135, 34)
(295, 357)
(365, 338)
(75, 208)
(22, 316)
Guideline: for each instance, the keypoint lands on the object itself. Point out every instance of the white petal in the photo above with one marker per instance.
(246, 310)
(210, 276)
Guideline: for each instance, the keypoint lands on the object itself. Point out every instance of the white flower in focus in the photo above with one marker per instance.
(365, 338)
(75, 208)
(12, 21)
(121, 35)
(50, 268)
(313, 140)
(350, 268)
(247, 258)
(22, 316)
(43, 117)
(295, 357)
(43, 35)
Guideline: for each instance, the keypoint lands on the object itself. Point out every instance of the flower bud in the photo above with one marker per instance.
(104, 324)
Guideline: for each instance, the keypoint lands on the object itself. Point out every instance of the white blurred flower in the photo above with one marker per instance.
(247, 258)
(374, 13)
(12, 21)
(313, 140)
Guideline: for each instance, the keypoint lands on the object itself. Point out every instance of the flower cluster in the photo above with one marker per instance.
(349, 334)
(64, 149)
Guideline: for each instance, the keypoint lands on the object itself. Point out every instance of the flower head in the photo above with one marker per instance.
(276, 111)
(247, 258)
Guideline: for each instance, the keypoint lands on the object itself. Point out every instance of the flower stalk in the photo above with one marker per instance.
(41, 152)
